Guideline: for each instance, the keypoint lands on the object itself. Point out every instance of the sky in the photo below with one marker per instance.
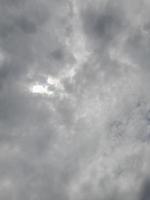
(74, 100)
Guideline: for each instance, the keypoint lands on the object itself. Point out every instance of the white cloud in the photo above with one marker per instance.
(41, 89)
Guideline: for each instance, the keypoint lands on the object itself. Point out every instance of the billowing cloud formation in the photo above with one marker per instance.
(74, 100)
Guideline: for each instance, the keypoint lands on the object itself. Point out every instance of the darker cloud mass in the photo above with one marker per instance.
(145, 192)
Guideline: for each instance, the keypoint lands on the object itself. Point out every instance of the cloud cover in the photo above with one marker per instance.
(74, 100)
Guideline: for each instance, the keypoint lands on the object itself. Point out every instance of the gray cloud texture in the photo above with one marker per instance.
(74, 100)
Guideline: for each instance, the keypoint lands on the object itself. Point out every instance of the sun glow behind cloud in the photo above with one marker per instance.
(41, 89)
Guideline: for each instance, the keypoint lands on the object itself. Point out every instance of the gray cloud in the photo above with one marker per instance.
(74, 100)
(145, 190)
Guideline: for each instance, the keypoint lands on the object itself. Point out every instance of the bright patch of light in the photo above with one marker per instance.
(54, 82)
(52, 87)
(41, 89)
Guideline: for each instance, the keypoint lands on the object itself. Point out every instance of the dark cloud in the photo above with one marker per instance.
(145, 193)
(104, 24)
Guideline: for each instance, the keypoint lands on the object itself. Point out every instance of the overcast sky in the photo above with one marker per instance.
(74, 100)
